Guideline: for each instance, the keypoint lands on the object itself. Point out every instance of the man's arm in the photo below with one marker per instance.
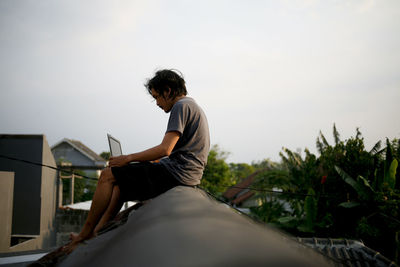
(164, 149)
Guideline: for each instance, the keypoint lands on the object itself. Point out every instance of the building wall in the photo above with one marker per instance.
(35, 192)
(27, 180)
(49, 198)
(6, 208)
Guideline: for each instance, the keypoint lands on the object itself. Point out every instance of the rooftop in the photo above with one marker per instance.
(82, 148)
(187, 227)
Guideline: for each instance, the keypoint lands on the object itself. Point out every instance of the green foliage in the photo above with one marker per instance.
(390, 177)
(361, 186)
(349, 204)
(264, 164)
(336, 135)
(217, 176)
(240, 171)
(269, 211)
(364, 228)
(345, 191)
(271, 179)
(83, 188)
(105, 155)
(310, 208)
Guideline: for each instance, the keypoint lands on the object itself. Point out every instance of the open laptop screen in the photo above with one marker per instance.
(115, 146)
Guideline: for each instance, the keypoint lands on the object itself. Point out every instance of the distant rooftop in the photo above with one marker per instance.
(83, 149)
(80, 145)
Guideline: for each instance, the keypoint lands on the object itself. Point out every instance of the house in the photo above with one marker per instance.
(28, 193)
(241, 196)
(78, 155)
(73, 155)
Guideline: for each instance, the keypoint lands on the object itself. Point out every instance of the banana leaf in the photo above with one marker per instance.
(361, 186)
(349, 205)
(391, 175)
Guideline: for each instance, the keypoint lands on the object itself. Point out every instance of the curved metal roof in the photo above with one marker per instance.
(186, 227)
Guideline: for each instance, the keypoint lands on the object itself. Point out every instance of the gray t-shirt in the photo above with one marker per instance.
(189, 156)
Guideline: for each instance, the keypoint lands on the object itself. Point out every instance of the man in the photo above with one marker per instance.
(179, 160)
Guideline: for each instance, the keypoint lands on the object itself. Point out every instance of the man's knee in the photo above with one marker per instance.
(106, 176)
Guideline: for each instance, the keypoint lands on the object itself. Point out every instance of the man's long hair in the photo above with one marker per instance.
(164, 79)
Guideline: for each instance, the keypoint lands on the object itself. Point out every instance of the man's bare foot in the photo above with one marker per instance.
(71, 246)
(76, 239)
(73, 236)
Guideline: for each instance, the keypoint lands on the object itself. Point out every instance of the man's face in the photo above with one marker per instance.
(163, 101)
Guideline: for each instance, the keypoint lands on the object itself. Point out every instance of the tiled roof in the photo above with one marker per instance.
(235, 195)
(242, 197)
(347, 252)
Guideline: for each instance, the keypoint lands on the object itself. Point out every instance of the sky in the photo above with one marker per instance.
(268, 74)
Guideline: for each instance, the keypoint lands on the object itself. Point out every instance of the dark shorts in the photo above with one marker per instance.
(143, 180)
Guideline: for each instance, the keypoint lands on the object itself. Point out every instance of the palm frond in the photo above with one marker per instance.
(376, 148)
(336, 135)
(324, 141)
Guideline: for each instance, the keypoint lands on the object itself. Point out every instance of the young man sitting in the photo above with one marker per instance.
(179, 160)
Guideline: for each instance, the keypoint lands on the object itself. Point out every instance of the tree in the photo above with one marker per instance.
(350, 192)
(345, 191)
(240, 171)
(376, 201)
(105, 155)
(83, 188)
(264, 164)
(272, 203)
(217, 176)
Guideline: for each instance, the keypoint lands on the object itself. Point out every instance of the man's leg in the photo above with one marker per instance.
(112, 210)
(101, 201)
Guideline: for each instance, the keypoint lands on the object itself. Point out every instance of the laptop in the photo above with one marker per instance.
(115, 150)
(115, 146)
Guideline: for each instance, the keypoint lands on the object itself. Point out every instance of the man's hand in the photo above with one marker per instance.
(118, 161)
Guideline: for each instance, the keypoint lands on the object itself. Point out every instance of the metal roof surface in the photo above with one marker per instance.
(186, 227)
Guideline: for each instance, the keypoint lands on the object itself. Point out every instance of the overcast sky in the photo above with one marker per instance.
(268, 74)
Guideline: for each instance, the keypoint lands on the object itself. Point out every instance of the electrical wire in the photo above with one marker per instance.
(47, 166)
(238, 187)
(282, 192)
